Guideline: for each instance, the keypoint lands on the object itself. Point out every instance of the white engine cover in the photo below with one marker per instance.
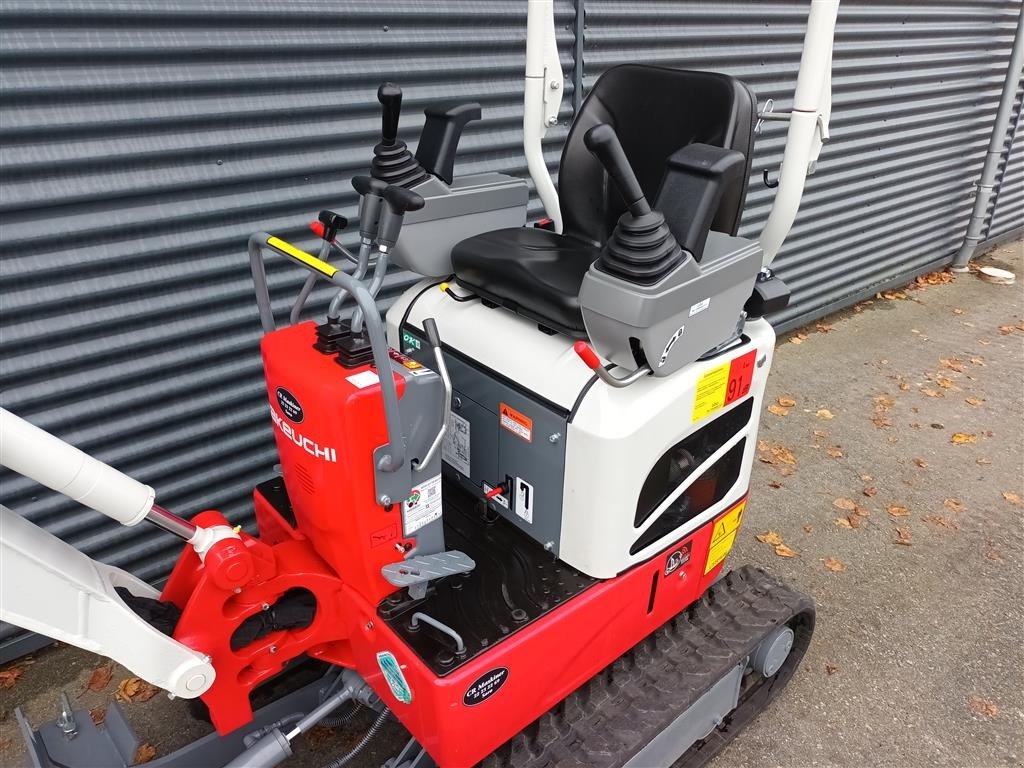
(615, 436)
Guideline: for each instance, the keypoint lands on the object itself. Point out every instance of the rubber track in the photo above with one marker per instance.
(610, 718)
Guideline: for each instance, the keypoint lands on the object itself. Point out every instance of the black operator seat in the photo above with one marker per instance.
(655, 111)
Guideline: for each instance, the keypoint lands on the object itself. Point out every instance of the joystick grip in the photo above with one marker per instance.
(367, 185)
(401, 200)
(390, 97)
(603, 142)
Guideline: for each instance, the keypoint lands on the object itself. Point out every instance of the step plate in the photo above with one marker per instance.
(515, 582)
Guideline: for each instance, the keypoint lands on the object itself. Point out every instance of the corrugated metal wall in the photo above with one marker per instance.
(142, 141)
(1006, 216)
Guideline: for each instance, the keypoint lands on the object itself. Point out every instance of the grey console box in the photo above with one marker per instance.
(473, 204)
(690, 311)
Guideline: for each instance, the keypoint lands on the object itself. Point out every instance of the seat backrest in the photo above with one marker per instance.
(655, 111)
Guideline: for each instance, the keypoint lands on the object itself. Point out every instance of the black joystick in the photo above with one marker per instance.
(640, 249)
(398, 202)
(371, 198)
(393, 163)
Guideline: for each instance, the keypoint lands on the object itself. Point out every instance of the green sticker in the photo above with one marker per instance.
(393, 676)
(409, 341)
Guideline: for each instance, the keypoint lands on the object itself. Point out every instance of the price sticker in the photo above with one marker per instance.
(723, 385)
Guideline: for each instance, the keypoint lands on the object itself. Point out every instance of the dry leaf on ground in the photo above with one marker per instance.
(903, 537)
(870, 491)
(830, 669)
(953, 364)
(962, 438)
(144, 754)
(783, 551)
(973, 401)
(774, 484)
(953, 504)
(771, 537)
(1010, 496)
(982, 461)
(129, 688)
(98, 714)
(100, 678)
(835, 453)
(808, 528)
(897, 511)
(824, 413)
(778, 410)
(982, 706)
(9, 676)
(927, 392)
(798, 338)
(844, 522)
(780, 454)
(847, 504)
(785, 402)
(940, 522)
(833, 564)
(921, 463)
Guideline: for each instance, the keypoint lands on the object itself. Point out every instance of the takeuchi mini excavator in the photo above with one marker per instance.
(503, 512)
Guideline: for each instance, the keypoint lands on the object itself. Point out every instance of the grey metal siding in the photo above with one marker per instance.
(142, 141)
(1006, 215)
(915, 89)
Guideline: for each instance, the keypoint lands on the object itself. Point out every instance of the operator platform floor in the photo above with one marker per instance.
(917, 657)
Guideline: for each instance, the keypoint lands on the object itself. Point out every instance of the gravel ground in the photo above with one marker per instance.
(917, 659)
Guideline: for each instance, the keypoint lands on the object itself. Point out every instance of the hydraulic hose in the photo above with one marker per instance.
(378, 724)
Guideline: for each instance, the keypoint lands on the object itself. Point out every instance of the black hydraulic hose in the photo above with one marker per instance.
(378, 724)
(340, 720)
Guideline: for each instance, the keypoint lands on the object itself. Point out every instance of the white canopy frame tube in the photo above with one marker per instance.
(542, 97)
(808, 124)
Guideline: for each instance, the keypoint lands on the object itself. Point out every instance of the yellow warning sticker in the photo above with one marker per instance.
(711, 389)
(723, 535)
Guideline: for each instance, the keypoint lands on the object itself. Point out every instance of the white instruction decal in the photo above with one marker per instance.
(363, 380)
(524, 500)
(455, 449)
(700, 306)
(423, 506)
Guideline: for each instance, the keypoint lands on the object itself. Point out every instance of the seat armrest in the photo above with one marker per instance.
(696, 177)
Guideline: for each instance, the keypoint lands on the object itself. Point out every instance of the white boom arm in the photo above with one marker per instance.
(48, 586)
(808, 124)
(542, 97)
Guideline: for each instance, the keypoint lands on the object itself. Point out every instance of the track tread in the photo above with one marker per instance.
(616, 713)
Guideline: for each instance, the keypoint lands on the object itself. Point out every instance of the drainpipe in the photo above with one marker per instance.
(976, 226)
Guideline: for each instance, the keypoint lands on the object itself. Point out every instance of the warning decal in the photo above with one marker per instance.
(723, 385)
(515, 422)
(455, 449)
(423, 505)
(723, 535)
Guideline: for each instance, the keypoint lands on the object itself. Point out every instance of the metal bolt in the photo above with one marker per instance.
(273, 649)
(549, 546)
(265, 606)
(554, 438)
(385, 499)
(552, 121)
(238, 590)
(456, 403)
(369, 626)
(555, 85)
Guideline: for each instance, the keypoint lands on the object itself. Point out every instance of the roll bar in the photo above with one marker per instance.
(542, 96)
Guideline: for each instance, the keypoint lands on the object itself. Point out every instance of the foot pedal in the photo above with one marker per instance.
(416, 572)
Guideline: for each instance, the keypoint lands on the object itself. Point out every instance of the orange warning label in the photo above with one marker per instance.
(723, 535)
(515, 422)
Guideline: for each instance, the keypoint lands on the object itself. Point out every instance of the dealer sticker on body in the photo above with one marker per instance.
(723, 384)
(423, 505)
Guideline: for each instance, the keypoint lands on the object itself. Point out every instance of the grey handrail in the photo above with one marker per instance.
(394, 458)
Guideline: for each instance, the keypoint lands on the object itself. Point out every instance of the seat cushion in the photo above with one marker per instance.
(533, 272)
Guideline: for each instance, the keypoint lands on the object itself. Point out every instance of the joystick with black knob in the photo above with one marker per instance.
(641, 248)
(393, 163)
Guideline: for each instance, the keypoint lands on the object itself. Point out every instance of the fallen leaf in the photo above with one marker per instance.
(100, 678)
(9, 676)
(982, 706)
(830, 669)
(1011, 497)
(147, 692)
(891, 295)
(824, 328)
(98, 714)
(1006, 330)
(884, 401)
(897, 511)
(835, 453)
(785, 402)
(973, 401)
(144, 754)
(844, 504)
(783, 551)
(903, 537)
(854, 520)
(5, 743)
(785, 471)
(992, 552)
(921, 463)
(129, 688)
(844, 522)
(833, 564)
(978, 361)
(824, 413)
(928, 392)
(904, 386)
(954, 505)
(774, 484)
(808, 528)
(945, 383)
(778, 410)
(870, 491)
(782, 454)
(771, 537)
(866, 478)
(798, 338)
(957, 311)
(953, 364)
(880, 420)
(982, 461)
(820, 433)
(961, 438)
(940, 522)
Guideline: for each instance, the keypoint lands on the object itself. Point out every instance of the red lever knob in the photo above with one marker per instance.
(587, 355)
(317, 227)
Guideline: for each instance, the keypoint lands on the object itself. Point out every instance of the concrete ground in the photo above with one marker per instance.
(892, 470)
